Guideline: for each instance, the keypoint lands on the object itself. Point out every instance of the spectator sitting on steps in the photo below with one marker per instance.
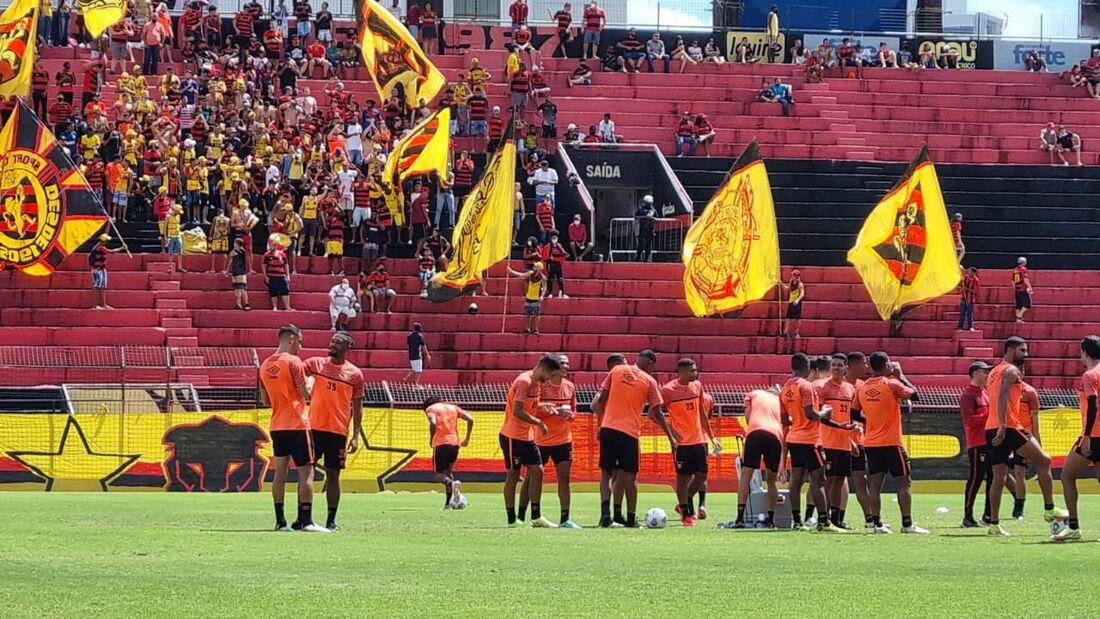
(679, 52)
(582, 76)
(1033, 61)
(704, 133)
(783, 95)
(685, 136)
(886, 58)
(712, 53)
(1048, 142)
(655, 50)
(743, 52)
(612, 61)
(607, 130)
(1068, 141)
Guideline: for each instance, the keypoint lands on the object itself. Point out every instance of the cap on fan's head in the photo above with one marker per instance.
(162, 190)
(103, 238)
(648, 199)
(978, 366)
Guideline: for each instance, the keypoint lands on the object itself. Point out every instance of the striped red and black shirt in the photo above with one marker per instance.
(212, 21)
(100, 260)
(60, 111)
(496, 128)
(544, 212)
(594, 19)
(302, 11)
(522, 36)
(564, 19)
(96, 175)
(336, 229)
(275, 263)
(479, 108)
(974, 284)
(244, 22)
(40, 80)
(521, 82)
(198, 132)
(518, 13)
(464, 172)
(553, 252)
(190, 20)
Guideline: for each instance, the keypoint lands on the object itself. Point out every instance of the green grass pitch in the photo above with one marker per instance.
(397, 555)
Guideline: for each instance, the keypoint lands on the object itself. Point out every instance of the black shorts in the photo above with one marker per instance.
(278, 287)
(332, 447)
(549, 131)
(1018, 460)
(1015, 438)
(691, 459)
(1094, 448)
(1023, 299)
(557, 453)
(794, 311)
(838, 462)
(618, 451)
(809, 457)
(444, 457)
(893, 460)
(519, 453)
(296, 444)
(761, 444)
(859, 461)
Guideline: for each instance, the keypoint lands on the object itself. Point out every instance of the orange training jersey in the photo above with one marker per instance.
(880, 400)
(797, 394)
(526, 388)
(708, 404)
(763, 411)
(839, 396)
(1013, 418)
(282, 374)
(856, 436)
(334, 388)
(1090, 387)
(1029, 403)
(683, 403)
(629, 389)
(559, 395)
(445, 417)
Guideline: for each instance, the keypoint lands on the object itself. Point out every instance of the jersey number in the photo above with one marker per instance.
(331, 386)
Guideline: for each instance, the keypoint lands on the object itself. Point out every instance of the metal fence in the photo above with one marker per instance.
(667, 242)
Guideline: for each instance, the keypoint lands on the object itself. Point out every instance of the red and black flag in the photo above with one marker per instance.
(47, 209)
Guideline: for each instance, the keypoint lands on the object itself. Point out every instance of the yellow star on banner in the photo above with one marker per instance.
(74, 466)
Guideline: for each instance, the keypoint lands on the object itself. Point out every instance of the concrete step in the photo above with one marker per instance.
(978, 352)
(179, 304)
(164, 285)
(859, 155)
(835, 114)
(823, 100)
(842, 128)
(851, 141)
(175, 323)
(183, 342)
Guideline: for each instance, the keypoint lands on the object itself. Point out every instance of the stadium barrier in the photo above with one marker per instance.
(147, 418)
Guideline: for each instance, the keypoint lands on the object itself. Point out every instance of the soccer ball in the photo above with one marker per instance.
(472, 309)
(461, 503)
(656, 518)
(1057, 526)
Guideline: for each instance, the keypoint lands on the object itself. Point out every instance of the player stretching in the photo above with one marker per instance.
(1087, 448)
(443, 431)
(878, 406)
(837, 393)
(337, 400)
(764, 441)
(557, 445)
(517, 437)
(1005, 433)
(283, 388)
(803, 441)
(622, 398)
(683, 399)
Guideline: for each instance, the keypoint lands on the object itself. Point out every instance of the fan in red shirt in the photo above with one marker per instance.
(969, 289)
(594, 20)
(518, 12)
(554, 255)
(579, 246)
(544, 213)
(564, 19)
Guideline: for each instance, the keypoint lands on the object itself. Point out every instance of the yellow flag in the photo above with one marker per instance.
(904, 253)
(18, 33)
(731, 253)
(393, 57)
(426, 149)
(99, 15)
(483, 233)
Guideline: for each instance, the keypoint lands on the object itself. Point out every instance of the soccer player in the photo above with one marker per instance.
(443, 432)
(557, 445)
(803, 441)
(763, 441)
(878, 406)
(283, 387)
(819, 374)
(683, 401)
(625, 392)
(1005, 433)
(337, 400)
(857, 372)
(517, 438)
(974, 407)
(1087, 448)
(837, 393)
(1029, 414)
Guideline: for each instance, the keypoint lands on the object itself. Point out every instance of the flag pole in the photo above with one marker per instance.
(111, 221)
(504, 314)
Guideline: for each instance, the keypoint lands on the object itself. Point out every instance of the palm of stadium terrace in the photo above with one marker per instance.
(273, 120)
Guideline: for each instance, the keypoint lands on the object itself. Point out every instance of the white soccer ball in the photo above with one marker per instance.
(1057, 526)
(656, 518)
(461, 503)
(473, 309)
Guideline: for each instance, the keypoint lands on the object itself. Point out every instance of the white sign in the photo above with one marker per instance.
(1059, 55)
